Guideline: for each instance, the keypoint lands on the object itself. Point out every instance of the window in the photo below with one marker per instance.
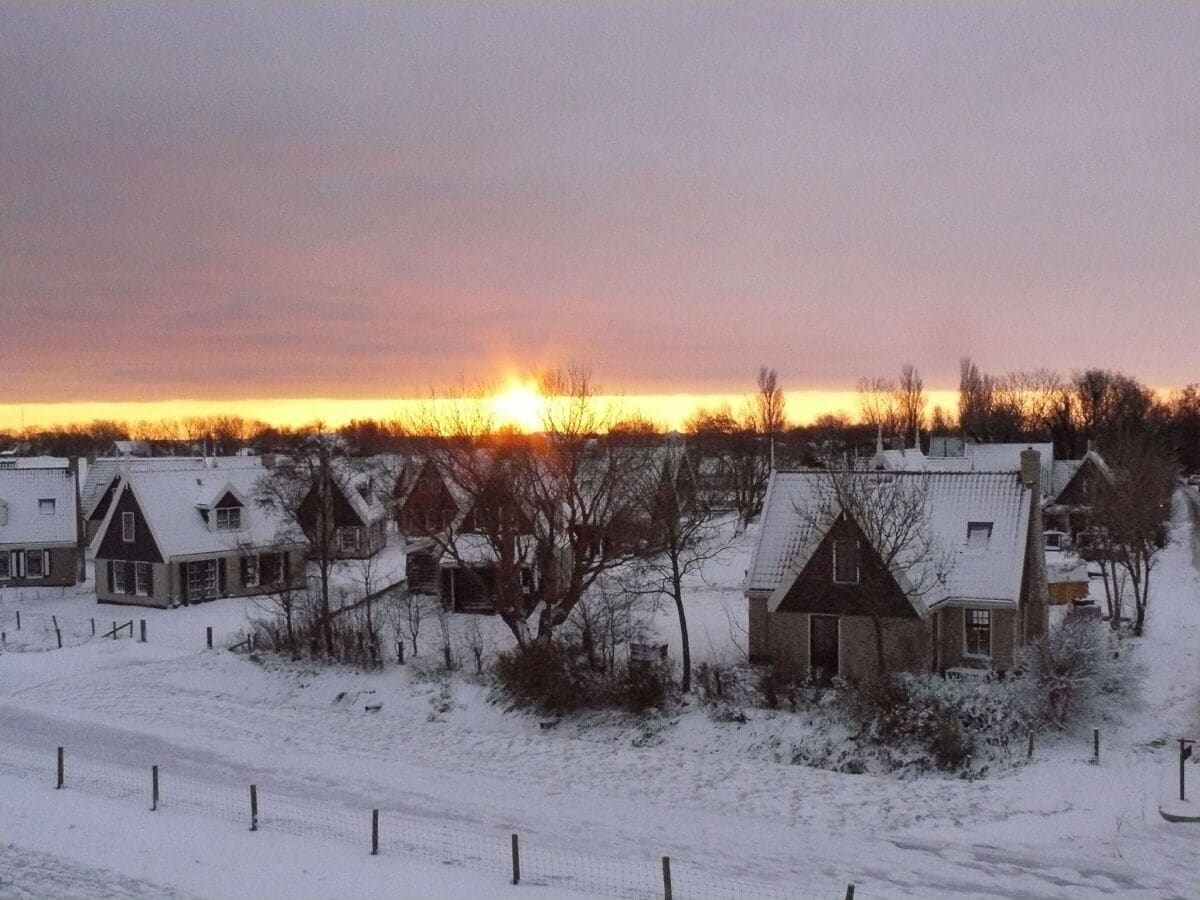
(845, 562)
(117, 577)
(3, 564)
(46, 507)
(127, 527)
(35, 563)
(249, 571)
(229, 518)
(270, 568)
(143, 581)
(978, 637)
(978, 535)
(349, 537)
(202, 580)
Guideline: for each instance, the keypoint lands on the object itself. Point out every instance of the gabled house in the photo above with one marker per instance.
(425, 503)
(823, 600)
(1073, 487)
(101, 481)
(358, 505)
(40, 539)
(186, 535)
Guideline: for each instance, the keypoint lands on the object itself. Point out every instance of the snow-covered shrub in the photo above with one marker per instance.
(551, 678)
(1068, 675)
(917, 722)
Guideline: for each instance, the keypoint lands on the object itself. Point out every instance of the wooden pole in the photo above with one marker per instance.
(850, 891)
(1029, 752)
(516, 860)
(58, 637)
(18, 620)
(374, 832)
(61, 773)
(93, 627)
(142, 625)
(114, 631)
(1096, 745)
(666, 878)
(253, 807)
(208, 635)
(153, 788)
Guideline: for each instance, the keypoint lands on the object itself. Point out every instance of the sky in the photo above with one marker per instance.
(226, 202)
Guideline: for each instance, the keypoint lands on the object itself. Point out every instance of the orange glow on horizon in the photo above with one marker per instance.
(518, 403)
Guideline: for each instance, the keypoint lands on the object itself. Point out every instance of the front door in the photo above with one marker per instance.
(823, 646)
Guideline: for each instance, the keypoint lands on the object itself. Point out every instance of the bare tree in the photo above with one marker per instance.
(878, 405)
(891, 512)
(1130, 514)
(301, 488)
(683, 534)
(911, 400)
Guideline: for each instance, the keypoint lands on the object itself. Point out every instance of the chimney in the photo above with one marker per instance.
(1031, 469)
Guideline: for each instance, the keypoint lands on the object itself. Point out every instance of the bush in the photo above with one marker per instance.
(923, 721)
(640, 686)
(544, 677)
(1064, 675)
(553, 679)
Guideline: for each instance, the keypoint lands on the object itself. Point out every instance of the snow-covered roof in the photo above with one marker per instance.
(1064, 470)
(34, 462)
(363, 487)
(786, 542)
(975, 458)
(24, 520)
(103, 470)
(476, 549)
(171, 501)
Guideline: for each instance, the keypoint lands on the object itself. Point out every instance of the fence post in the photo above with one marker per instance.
(3, 639)
(850, 891)
(18, 620)
(114, 630)
(253, 807)
(93, 626)
(58, 637)
(142, 626)
(153, 788)
(516, 860)
(1096, 745)
(54, 622)
(1029, 752)
(374, 832)
(60, 770)
(208, 636)
(666, 878)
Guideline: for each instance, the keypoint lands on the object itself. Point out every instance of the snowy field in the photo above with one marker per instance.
(603, 798)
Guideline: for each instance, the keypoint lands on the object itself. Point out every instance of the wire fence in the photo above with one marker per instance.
(22, 631)
(390, 833)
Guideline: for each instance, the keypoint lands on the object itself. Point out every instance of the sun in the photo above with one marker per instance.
(520, 406)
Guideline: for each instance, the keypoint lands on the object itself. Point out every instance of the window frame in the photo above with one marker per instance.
(128, 527)
(251, 571)
(42, 508)
(857, 562)
(118, 576)
(232, 516)
(5, 566)
(979, 527)
(143, 575)
(202, 575)
(42, 563)
(976, 628)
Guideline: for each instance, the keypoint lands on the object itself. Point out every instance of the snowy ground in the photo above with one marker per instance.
(710, 795)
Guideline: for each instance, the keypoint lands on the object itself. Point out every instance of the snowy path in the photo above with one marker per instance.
(1056, 828)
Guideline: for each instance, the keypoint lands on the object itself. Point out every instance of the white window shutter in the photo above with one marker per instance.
(45, 563)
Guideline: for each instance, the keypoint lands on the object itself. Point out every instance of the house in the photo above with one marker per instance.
(40, 538)
(1073, 486)
(186, 535)
(822, 600)
(453, 539)
(359, 508)
(101, 481)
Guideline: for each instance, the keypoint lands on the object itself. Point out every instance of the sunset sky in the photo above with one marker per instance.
(228, 202)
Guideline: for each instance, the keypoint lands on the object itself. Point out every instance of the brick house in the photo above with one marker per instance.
(186, 535)
(815, 595)
(40, 537)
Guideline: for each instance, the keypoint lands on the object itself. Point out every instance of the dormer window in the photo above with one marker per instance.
(979, 534)
(845, 562)
(46, 507)
(229, 518)
(127, 527)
